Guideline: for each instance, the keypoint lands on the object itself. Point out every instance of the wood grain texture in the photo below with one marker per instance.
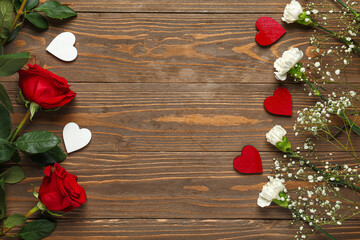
(172, 91)
(161, 185)
(185, 6)
(196, 48)
(172, 117)
(184, 229)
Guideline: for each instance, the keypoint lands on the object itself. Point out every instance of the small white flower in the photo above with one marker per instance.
(270, 191)
(292, 12)
(275, 135)
(286, 62)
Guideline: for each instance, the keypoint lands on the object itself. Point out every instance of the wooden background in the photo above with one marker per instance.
(172, 91)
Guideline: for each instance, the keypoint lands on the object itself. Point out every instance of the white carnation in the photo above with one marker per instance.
(275, 135)
(270, 191)
(286, 62)
(292, 12)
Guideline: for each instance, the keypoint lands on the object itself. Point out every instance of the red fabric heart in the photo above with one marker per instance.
(249, 161)
(269, 31)
(280, 103)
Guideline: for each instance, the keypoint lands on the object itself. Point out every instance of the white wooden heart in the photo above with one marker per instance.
(62, 47)
(75, 138)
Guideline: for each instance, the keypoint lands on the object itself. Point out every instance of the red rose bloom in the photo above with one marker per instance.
(44, 88)
(60, 191)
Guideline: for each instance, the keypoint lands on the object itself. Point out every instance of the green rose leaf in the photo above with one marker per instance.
(13, 34)
(2, 199)
(13, 175)
(5, 122)
(11, 63)
(37, 142)
(50, 157)
(54, 9)
(6, 150)
(4, 99)
(37, 230)
(6, 17)
(30, 4)
(14, 220)
(38, 20)
(16, 157)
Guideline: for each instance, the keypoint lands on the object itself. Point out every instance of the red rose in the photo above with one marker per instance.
(60, 191)
(44, 88)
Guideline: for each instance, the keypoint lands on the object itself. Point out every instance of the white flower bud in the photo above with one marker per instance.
(286, 62)
(292, 12)
(275, 135)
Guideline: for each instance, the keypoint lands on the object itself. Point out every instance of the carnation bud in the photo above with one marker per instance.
(276, 136)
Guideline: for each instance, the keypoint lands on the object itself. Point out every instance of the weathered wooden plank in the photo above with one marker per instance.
(185, 6)
(184, 229)
(214, 48)
(175, 117)
(160, 185)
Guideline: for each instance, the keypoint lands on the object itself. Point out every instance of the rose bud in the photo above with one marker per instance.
(60, 191)
(44, 88)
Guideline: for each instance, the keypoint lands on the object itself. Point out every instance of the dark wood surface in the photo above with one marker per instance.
(172, 91)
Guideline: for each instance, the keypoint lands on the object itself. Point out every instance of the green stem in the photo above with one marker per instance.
(19, 13)
(32, 211)
(324, 174)
(354, 12)
(317, 92)
(313, 223)
(27, 215)
(356, 49)
(22, 123)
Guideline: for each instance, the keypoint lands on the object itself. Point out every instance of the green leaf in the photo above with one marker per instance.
(5, 122)
(50, 157)
(13, 34)
(37, 142)
(54, 9)
(37, 230)
(6, 17)
(38, 20)
(11, 63)
(14, 220)
(4, 99)
(16, 157)
(30, 4)
(2, 199)
(6, 150)
(13, 175)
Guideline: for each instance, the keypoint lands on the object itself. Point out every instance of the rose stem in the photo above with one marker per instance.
(22, 123)
(18, 14)
(27, 215)
(32, 211)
